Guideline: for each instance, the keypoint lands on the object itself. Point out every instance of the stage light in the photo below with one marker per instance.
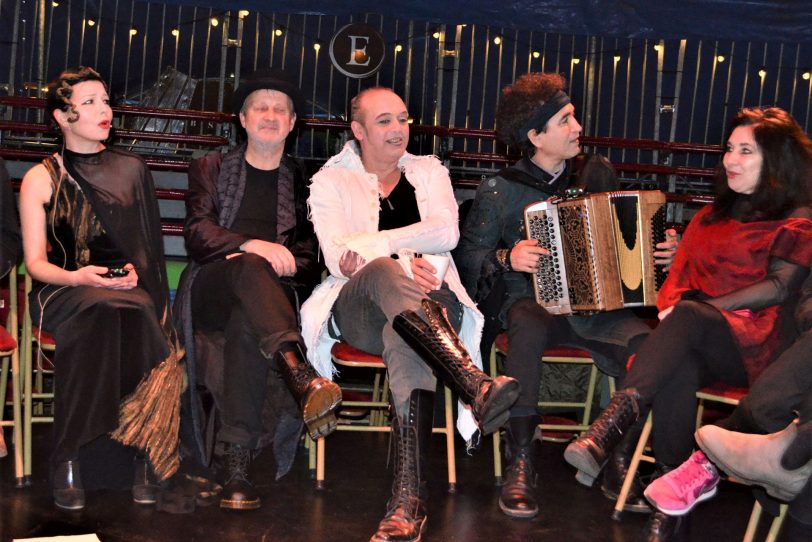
(175, 32)
(805, 75)
(497, 39)
(55, 4)
(317, 45)
(243, 13)
(616, 57)
(720, 58)
(762, 72)
(536, 54)
(398, 47)
(214, 21)
(576, 60)
(436, 34)
(133, 31)
(658, 47)
(278, 31)
(91, 22)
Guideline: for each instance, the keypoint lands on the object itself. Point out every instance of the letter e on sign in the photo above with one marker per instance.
(357, 50)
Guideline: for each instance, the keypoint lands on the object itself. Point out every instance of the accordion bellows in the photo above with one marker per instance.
(601, 250)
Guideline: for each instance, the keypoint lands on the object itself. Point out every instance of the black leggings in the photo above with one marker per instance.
(691, 348)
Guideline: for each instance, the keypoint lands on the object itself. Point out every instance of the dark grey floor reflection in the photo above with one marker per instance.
(353, 503)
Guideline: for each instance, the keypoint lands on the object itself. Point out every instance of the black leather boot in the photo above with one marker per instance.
(238, 492)
(441, 348)
(520, 445)
(618, 466)
(68, 491)
(145, 486)
(405, 518)
(664, 528)
(589, 452)
(318, 397)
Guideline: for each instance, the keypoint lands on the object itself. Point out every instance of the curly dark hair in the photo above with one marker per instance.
(520, 101)
(784, 182)
(60, 90)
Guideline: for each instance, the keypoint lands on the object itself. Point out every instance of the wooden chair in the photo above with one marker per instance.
(37, 346)
(558, 355)
(345, 355)
(718, 393)
(9, 350)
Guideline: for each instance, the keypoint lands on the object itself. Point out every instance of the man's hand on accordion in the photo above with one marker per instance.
(525, 255)
(664, 255)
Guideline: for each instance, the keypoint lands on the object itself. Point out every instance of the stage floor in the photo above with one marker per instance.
(353, 503)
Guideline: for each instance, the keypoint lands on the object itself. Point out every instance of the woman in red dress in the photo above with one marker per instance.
(721, 307)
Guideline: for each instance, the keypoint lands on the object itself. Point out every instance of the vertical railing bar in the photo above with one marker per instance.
(762, 80)
(796, 71)
(642, 94)
(626, 102)
(408, 83)
(285, 41)
(12, 68)
(746, 75)
(695, 91)
(778, 73)
(470, 83)
(726, 109)
(206, 60)
(484, 84)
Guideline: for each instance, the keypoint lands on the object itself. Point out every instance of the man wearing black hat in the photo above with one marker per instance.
(254, 257)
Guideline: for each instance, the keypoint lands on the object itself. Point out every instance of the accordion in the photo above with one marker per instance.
(601, 250)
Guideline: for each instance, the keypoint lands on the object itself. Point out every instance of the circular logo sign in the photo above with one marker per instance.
(357, 50)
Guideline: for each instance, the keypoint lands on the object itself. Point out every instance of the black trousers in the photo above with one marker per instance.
(691, 348)
(783, 389)
(531, 331)
(245, 299)
(107, 341)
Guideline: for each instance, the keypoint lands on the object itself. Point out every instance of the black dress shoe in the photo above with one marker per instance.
(68, 491)
(145, 486)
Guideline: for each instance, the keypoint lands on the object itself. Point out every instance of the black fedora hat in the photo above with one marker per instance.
(269, 79)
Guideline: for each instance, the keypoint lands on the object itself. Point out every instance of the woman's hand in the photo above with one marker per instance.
(280, 258)
(665, 312)
(91, 275)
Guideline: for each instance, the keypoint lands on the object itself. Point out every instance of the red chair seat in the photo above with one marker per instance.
(44, 338)
(723, 390)
(501, 343)
(7, 342)
(344, 351)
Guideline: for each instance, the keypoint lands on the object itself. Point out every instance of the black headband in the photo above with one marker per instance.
(544, 113)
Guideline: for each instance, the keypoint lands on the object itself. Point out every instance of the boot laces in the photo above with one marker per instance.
(238, 459)
(606, 429)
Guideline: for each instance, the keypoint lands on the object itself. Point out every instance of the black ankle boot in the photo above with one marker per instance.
(589, 452)
(405, 517)
(618, 466)
(520, 445)
(238, 492)
(69, 494)
(145, 486)
(664, 528)
(441, 348)
(318, 397)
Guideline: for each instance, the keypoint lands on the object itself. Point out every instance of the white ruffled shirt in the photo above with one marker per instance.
(344, 208)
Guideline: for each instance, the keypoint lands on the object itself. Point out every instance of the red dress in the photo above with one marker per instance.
(721, 257)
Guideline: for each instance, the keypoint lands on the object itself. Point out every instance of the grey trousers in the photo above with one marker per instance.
(364, 311)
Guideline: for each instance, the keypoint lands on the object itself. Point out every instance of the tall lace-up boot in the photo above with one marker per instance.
(618, 466)
(521, 443)
(405, 518)
(238, 491)
(441, 348)
(318, 397)
(589, 452)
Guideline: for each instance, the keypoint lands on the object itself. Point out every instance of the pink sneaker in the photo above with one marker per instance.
(677, 492)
